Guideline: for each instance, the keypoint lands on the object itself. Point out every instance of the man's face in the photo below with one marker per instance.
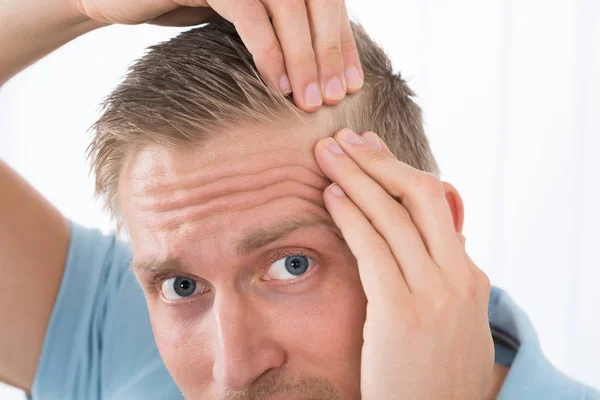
(252, 292)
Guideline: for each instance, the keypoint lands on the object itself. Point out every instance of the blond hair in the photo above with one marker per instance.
(204, 80)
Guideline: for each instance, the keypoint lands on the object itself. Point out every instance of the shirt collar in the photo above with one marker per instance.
(531, 375)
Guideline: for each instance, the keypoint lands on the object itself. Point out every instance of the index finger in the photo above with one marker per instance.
(252, 23)
(421, 193)
(292, 27)
(380, 275)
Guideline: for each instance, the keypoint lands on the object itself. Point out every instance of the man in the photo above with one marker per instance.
(262, 279)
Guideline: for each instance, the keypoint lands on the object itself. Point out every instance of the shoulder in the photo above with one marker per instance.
(99, 343)
(531, 376)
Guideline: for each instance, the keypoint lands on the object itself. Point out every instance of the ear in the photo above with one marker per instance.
(457, 209)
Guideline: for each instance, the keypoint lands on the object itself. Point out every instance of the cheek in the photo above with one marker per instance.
(323, 332)
(183, 345)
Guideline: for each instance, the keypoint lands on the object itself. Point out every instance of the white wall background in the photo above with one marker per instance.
(510, 92)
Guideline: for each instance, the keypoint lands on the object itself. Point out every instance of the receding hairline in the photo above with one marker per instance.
(183, 89)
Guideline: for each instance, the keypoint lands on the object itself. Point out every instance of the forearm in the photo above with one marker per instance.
(31, 29)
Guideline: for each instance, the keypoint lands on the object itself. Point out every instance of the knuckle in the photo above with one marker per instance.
(442, 303)
(348, 44)
(331, 48)
(484, 283)
(326, 3)
(96, 13)
(330, 54)
(293, 6)
(349, 49)
(427, 184)
(469, 290)
(303, 60)
(253, 13)
(380, 247)
(400, 216)
(379, 158)
(270, 51)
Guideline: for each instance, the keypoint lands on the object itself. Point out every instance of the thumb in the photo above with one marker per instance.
(185, 16)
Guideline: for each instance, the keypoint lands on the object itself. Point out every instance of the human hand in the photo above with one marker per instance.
(277, 34)
(426, 334)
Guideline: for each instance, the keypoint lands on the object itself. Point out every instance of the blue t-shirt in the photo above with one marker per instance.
(99, 343)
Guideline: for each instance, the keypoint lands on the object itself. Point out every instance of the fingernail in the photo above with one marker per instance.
(332, 146)
(312, 95)
(284, 84)
(334, 89)
(350, 137)
(353, 79)
(373, 140)
(337, 190)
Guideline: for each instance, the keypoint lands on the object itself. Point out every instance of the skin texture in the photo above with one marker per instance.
(427, 333)
(246, 336)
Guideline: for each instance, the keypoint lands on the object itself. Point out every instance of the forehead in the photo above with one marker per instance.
(232, 151)
(221, 186)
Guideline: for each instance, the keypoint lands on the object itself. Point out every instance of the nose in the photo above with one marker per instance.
(245, 349)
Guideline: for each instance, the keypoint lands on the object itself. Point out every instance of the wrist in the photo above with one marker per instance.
(75, 18)
(30, 29)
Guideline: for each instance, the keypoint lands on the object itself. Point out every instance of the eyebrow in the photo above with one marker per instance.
(254, 241)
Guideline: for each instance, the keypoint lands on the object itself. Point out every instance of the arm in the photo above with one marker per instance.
(33, 235)
(33, 246)
(31, 29)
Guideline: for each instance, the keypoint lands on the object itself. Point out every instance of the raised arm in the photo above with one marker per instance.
(33, 247)
(33, 234)
(31, 29)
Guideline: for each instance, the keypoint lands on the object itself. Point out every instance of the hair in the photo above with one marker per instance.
(204, 80)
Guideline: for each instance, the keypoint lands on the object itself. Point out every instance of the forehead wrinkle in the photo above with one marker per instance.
(204, 189)
(183, 175)
(170, 253)
(263, 236)
(250, 242)
(238, 201)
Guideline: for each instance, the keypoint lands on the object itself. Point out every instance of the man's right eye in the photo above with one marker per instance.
(181, 287)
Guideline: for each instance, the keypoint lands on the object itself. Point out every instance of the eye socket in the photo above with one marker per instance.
(290, 267)
(180, 287)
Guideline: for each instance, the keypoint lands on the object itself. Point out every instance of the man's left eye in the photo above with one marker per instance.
(290, 267)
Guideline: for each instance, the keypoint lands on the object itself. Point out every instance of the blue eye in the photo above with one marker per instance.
(180, 287)
(289, 267)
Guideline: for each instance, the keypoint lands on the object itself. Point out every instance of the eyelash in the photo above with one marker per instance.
(160, 279)
(278, 255)
(291, 253)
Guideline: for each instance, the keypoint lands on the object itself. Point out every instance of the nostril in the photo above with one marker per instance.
(268, 374)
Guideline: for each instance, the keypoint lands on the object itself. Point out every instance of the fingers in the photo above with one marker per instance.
(308, 48)
(252, 23)
(291, 24)
(325, 21)
(184, 16)
(420, 193)
(353, 71)
(386, 215)
(381, 278)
